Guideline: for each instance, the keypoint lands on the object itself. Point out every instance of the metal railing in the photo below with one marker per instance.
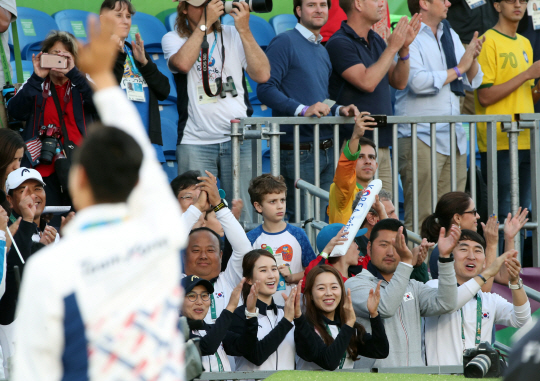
(269, 129)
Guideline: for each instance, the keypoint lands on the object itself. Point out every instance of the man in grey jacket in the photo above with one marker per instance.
(403, 301)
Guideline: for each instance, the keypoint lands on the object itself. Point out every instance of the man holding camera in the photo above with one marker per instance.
(472, 321)
(205, 107)
(57, 105)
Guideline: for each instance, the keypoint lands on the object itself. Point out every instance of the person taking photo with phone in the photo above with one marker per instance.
(56, 103)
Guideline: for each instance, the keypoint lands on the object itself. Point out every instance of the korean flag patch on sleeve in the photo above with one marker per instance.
(408, 296)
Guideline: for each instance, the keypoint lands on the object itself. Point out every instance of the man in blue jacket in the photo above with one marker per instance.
(298, 86)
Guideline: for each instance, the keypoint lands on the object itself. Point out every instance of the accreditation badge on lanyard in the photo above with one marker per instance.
(475, 3)
(133, 81)
(533, 8)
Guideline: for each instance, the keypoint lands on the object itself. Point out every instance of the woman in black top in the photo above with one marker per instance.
(327, 335)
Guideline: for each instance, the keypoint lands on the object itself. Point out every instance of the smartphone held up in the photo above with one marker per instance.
(53, 61)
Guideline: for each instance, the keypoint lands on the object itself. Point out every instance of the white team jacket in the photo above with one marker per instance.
(103, 303)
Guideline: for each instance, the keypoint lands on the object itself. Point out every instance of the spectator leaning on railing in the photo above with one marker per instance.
(298, 86)
(364, 68)
(205, 121)
(60, 100)
(440, 71)
(507, 88)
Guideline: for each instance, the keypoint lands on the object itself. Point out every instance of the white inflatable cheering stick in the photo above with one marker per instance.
(358, 216)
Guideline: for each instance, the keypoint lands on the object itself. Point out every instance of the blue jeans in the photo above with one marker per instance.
(503, 185)
(307, 168)
(217, 159)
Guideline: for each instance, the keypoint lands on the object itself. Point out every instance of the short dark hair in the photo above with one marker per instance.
(111, 5)
(265, 184)
(387, 224)
(185, 181)
(414, 6)
(205, 229)
(66, 38)
(368, 142)
(471, 235)
(298, 3)
(111, 159)
(346, 5)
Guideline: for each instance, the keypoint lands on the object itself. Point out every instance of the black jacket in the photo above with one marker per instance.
(158, 87)
(27, 105)
(311, 347)
(215, 333)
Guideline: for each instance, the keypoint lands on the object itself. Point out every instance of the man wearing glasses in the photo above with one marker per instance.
(507, 88)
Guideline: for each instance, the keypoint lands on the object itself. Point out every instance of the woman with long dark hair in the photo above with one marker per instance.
(327, 336)
(267, 335)
(11, 154)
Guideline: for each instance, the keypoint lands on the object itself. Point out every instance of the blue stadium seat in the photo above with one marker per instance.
(161, 63)
(283, 23)
(151, 29)
(169, 130)
(33, 26)
(170, 21)
(27, 67)
(260, 111)
(171, 169)
(262, 31)
(74, 21)
(252, 85)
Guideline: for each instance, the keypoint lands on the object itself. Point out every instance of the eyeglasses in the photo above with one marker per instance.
(514, 1)
(474, 212)
(193, 296)
(186, 197)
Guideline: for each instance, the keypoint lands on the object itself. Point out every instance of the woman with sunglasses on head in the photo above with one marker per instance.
(267, 335)
(327, 336)
(195, 307)
(458, 208)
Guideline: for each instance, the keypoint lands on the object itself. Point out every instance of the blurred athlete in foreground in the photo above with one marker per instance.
(103, 303)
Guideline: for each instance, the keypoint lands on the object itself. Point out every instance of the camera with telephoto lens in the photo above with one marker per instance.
(51, 144)
(257, 6)
(482, 361)
(8, 92)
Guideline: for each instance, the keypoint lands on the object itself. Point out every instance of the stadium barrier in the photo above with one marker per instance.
(259, 129)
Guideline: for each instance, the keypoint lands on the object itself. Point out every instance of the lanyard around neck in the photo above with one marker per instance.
(213, 306)
(478, 332)
(134, 68)
(342, 362)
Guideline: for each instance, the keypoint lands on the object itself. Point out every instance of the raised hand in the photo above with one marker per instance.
(48, 236)
(468, 57)
(138, 50)
(494, 268)
(240, 14)
(235, 296)
(447, 244)
(491, 230)
(399, 35)
(36, 62)
(290, 304)
(339, 239)
(512, 225)
(237, 206)
(401, 247)
(65, 221)
(251, 302)
(70, 63)
(209, 185)
(27, 205)
(297, 309)
(373, 300)
(362, 124)
(202, 203)
(350, 316)
(214, 10)
(413, 29)
(513, 267)
(479, 44)
(420, 252)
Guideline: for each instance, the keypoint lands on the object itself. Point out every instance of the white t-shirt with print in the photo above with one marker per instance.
(208, 123)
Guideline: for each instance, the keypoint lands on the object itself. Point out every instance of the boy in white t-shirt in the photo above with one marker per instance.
(289, 244)
(446, 336)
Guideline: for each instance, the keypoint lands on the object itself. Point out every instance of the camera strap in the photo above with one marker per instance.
(69, 146)
(478, 331)
(204, 62)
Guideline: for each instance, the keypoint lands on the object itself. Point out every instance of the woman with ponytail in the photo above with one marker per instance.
(327, 336)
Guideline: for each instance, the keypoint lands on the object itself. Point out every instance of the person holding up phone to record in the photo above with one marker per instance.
(56, 103)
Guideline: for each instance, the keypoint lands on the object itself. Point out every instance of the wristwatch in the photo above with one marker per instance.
(446, 260)
(252, 314)
(203, 28)
(220, 206)
(516, 286)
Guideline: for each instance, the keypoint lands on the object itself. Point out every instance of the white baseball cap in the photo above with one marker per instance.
(195, 3)
(19, 176)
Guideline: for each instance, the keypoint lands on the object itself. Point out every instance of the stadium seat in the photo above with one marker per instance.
(170, 21)
(262, 31)
(33, 26)
(260, 111)
(162, 66)
(252, 90)
(151, 29)
(73, 21)
(283, 23)
(169, 129)
(171, 169)
(27, 67)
